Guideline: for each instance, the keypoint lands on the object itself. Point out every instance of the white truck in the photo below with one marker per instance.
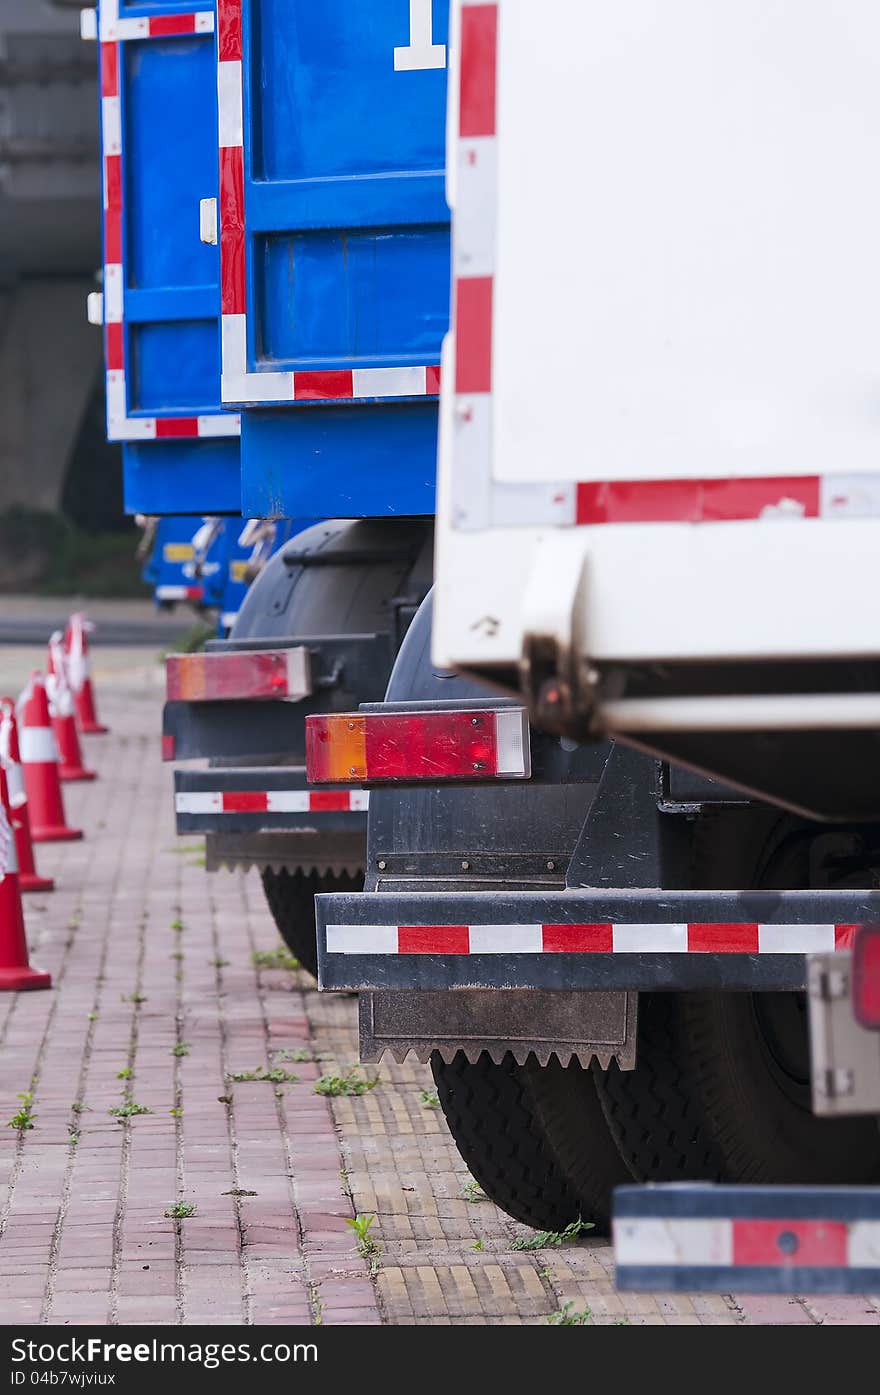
(592, 899)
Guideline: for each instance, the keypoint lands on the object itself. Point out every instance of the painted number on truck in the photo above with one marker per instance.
(421, 51)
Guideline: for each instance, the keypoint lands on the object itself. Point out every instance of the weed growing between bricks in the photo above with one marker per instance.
(354, 1082)
(24, 1117)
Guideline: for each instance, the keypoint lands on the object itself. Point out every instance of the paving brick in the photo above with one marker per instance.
(83, 1235)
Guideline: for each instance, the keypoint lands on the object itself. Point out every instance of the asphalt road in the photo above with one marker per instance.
(30, 620)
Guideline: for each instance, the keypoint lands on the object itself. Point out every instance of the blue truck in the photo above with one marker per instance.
(275, 295)
(207, 563)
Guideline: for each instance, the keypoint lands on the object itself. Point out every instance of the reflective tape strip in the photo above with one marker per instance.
(655, 1241)
(113, 28)
(361, 939)
(198, 803)
(179, 593)
(37, 745)
(746, 1243)
(271, 801)
(594, 939)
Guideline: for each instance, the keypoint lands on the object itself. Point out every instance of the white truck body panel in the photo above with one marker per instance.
(672, 215)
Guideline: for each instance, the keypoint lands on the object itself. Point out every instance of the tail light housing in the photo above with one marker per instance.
(866, 976)
(283, 674)
(436, 745)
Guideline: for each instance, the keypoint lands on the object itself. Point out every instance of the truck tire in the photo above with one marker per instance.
(751, 1068)
(749, 1052)
(507, 1122)
(654, 1113)
(291, 899)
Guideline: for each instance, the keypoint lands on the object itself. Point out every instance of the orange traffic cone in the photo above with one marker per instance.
(61, 713)
(10, 759)
(39, 759)
(16, 973)
(76, 647)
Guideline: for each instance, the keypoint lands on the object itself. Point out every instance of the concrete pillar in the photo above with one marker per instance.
(50, 360)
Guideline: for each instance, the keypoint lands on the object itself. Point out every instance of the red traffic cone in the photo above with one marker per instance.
(16, 973)
(76, 647)
(61, 713)
(10, 759)
(39, 759)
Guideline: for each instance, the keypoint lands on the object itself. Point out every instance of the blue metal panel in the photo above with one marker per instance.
(194, 477)
(355, 463)
(346, 250)
(350, 297)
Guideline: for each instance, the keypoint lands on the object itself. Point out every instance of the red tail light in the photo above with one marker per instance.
(866, 976)
(491, 744)
(263, 673)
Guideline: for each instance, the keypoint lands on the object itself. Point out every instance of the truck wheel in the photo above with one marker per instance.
(752, 1069)
(750, 1051)
(654, 1113)
(507, 1121)
(291, 898)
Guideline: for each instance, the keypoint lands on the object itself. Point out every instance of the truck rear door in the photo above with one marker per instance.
(161, 299)
(335, 249)
(659, 497)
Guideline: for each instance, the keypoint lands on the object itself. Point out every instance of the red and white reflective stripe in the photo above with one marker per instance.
(37, 745)
(8, 850)
(587, 939)
(271, 801)
(649, 1241)
(120, 425)
(160, 26)
(238, 384)
(179, 593)
(478, 501)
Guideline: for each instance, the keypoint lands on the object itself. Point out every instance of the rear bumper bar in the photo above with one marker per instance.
(740, 1239)
(264, 799)
(593, 939)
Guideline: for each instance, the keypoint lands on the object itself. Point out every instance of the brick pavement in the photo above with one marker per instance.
(148, 952)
